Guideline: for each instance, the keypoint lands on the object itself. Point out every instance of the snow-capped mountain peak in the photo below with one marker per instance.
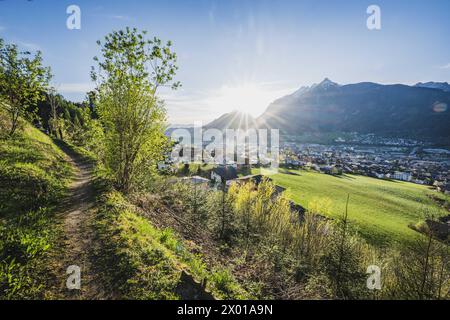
(327, 83)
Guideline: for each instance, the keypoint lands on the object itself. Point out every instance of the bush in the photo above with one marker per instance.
(224, 281)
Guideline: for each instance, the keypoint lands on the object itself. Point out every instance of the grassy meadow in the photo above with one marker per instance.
(380, 210)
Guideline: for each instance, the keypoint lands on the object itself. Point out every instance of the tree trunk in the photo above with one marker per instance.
(425, 268)
(222, 231)
(341, 249)
(14, 120)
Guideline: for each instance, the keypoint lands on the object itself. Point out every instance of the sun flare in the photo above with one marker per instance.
(249, 98)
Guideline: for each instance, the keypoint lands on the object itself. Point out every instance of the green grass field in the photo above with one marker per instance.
(380, 210)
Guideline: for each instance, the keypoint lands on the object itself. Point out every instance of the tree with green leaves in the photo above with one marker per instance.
(223, 220)
(128, 76)
(54, 121)
(343, 261)
(23, 82)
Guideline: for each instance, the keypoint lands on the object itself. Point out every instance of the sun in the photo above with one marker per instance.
(249, 98)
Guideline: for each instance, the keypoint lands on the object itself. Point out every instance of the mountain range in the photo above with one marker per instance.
(421, 110)
(434, 85)
(232, 120)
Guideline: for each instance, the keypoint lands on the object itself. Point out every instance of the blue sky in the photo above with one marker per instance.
(243, 54)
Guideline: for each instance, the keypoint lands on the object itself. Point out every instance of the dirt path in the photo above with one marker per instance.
(78, 244)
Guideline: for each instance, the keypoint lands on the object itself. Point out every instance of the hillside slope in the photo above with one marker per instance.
(34, 175)
(150, 262)
(55, 211)
(381, 210)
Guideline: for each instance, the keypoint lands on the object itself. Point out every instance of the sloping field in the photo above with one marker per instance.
(380, 210)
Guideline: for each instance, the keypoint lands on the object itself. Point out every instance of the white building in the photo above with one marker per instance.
(404, 176)
(196, 180)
